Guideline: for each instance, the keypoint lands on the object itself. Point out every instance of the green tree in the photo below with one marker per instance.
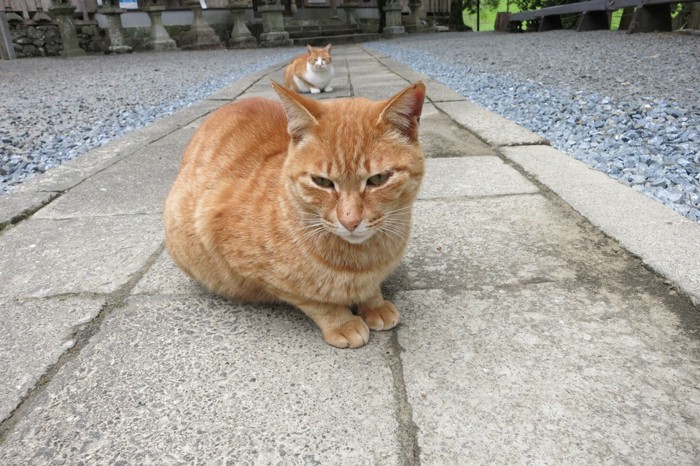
(471, 5)
(458, 6)
(525, 5)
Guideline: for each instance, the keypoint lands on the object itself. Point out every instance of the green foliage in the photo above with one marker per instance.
(470, 5)
(487, 15)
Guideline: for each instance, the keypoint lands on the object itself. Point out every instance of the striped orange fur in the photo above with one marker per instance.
(305, 202)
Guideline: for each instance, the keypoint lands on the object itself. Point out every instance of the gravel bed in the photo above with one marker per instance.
(628, 105)
(54, 109)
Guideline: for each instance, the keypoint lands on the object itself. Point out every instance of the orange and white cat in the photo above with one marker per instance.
(305, 202)
(311, 72)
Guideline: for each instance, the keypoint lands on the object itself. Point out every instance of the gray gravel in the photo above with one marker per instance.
(54, 109)
(628, 105)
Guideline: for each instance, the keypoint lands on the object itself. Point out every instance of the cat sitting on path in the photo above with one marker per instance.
(306, 202)
(311, 71)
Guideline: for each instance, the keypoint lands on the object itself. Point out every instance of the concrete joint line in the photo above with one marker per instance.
(254, 80)
(82, 335)
(27, 212)
(31, 210)
(347, 67)
(478, 196)
(408, 430)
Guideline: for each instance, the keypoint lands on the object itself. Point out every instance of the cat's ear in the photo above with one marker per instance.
(302, 112)
(328, 47)
(403, 110)
(309, 48)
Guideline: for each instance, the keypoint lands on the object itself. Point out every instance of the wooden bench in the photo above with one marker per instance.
(649, 15)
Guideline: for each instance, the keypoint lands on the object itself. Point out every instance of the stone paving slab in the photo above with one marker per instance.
(200, 380)
(236, 88)
(137, 184)
(491, 128)
(551, 374)
(478, 176)
(442, 137)
(35, 333)
(645, 227)
(44, 257)
(457, 244)
(165, 278)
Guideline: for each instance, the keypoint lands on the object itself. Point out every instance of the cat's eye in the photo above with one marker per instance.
(378, 179)
(322, 182)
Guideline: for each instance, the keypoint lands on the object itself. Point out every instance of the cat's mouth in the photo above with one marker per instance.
(355, 237)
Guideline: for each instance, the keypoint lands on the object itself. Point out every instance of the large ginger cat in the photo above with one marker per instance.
(303, 201)
(311, 71)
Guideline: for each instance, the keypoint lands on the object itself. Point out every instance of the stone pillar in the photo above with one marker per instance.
(413, 23)
(201, 36)
(159, 39)
(111, 10)
(62, 12)
(350, 14)
(392, 11)
(7, 48)
(273, 34)
(241, 38)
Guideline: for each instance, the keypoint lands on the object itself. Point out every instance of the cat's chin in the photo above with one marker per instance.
(355, 238)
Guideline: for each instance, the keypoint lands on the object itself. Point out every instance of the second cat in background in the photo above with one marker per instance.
(311, 72)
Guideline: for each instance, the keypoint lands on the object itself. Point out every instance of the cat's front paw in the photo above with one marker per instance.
(328, 89)
(352, 334)
(383, 317)
(315, 90)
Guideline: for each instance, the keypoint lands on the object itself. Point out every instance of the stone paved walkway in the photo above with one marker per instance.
(543, 319)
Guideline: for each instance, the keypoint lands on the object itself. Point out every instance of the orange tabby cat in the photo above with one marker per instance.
(304, 201)
(311, 71)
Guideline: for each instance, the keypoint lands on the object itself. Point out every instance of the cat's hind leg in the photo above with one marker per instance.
(339, 326)
(378, 314)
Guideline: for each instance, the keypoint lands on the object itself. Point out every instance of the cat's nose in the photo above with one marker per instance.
(350, 222)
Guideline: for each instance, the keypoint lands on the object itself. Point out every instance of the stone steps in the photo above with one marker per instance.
(324, 38)
(322, 32)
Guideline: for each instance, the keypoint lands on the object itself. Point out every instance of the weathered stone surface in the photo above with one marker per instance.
(553, 373)
(198, 379)
(46, 257)
(35, 332)
(648, 229)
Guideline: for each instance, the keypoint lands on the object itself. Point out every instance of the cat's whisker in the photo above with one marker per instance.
(393, 234)
(392, 230)
(396, 223)
(305, 217)
(316, 223)
(317, 230)
(402, 209)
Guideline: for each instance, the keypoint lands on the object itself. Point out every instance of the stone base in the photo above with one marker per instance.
(119, 49)
(199, 42)
(243, 43)
(275, 39)
(393, 31)
(161, 45)
(73, 52)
